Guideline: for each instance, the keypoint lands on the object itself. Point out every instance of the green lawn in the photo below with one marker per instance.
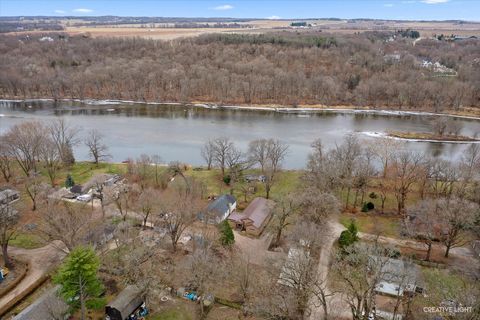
(285, 182)
(387, 226)
(27, 241)
(82, 171)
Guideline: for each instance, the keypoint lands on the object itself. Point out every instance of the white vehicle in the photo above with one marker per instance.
(84, 197)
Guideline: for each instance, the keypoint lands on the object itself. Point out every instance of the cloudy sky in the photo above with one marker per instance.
(378, 9)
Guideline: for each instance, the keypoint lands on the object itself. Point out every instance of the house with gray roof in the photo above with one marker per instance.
(398, 277)
(48, 306)
(218, 209)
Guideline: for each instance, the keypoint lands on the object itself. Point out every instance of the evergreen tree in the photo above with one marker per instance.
(77, 277)
(227, 237)
(69, 182)
(349, 236)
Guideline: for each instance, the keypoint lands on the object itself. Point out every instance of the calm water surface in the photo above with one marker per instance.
(177, 132)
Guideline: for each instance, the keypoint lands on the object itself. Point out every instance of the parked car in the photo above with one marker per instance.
(84, 197)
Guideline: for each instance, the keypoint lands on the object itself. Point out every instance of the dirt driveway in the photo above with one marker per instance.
(40, 261)
(257, 249)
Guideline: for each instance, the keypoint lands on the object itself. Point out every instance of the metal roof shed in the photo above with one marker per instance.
(129, 300)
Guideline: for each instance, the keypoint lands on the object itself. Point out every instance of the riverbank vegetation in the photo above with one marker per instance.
(283, 68)
(429, 136)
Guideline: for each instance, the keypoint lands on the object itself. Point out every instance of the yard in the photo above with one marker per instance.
(384, 225)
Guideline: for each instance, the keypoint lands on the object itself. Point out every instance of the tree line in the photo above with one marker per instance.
(283, 68)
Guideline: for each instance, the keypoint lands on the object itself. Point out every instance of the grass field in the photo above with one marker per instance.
(27, 241)
(387, 226)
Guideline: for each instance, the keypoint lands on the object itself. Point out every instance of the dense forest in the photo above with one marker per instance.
(368, 69)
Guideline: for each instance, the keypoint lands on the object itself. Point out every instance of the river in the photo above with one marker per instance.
(177, 132)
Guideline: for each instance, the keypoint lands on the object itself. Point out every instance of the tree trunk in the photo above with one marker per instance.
(6, 259)
(429, 250)
(82, 299)
(348, 196)
(447, 251)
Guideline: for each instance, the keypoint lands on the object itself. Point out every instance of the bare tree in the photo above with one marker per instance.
(346, 156)
(269, 154)
(405, 170)
(9, 218)
(97, 149)
(65, 138)
(67, 222)
(301, 282)
(455, 218)
(142, 169)
(5, 160)
(147, 204)
(24, 142)
(208, 153)
(359, 271)
(317, 206)
(384, 149)
(35, 188)
(283, 212)
(423, 223)
(51, 159)
(122, 196)
(179, 210)
(468, 169)
(222, 148)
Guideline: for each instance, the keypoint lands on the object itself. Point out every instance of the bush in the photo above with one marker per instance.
(69, 182)
(227, 237)
(96, 303)
(227, 179)
(370, 206)
(349, 236)
(367, 206)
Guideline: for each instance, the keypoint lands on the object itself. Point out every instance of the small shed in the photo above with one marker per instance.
(126, 303)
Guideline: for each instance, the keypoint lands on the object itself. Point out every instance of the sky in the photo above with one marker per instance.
(285, 9)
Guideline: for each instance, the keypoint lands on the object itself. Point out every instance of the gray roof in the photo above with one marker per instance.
(125, 303)
(8, 195)
(48, 306)
(399, 271)
(221, 205)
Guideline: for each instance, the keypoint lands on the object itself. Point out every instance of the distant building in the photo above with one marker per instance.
(48, 39)
(254, 218)
(8, 196)
(219, 209)
(252, 178)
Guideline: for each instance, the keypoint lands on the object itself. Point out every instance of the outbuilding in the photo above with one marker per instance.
(254, 218)
(129, 301)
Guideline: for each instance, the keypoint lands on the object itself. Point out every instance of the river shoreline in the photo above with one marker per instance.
(387, 135)
(302, 109)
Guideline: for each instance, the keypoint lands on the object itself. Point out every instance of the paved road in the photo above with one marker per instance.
(40, 262)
